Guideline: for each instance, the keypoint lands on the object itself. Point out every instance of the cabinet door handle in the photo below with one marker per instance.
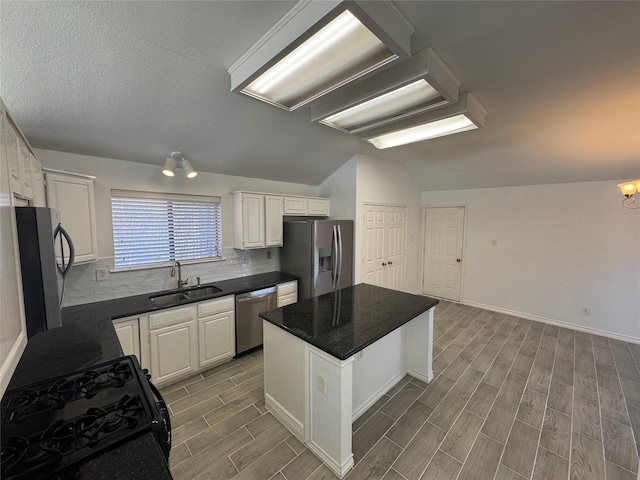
(384, 264)
(458, 260)
(390, 263)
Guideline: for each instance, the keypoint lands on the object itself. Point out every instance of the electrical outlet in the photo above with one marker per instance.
(101, 274)
(322, 385)
(494, 242)
(359, 355)
(586, 311)
(268, 254)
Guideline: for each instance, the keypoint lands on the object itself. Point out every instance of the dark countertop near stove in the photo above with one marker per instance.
(86, 338)
(344, 322)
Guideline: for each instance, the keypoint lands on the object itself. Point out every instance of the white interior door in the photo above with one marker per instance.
(384, 259)
(444, 233)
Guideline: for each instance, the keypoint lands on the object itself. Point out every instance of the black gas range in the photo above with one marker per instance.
(52, 425)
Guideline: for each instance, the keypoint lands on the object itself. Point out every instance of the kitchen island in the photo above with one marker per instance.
(328, 359)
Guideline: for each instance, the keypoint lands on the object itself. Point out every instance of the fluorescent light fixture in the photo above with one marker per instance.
(189, 171)
(169, 167)
(416, 85)
(465, 115)
(319, 46)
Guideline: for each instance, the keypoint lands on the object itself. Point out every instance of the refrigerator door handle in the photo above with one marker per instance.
(339, 273)
(334, 259)
(64, 269)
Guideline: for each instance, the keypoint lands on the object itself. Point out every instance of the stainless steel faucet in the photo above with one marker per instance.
(173, 274)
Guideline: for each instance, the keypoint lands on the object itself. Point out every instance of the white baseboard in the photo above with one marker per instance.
(420, 376)
(11, 361)
(283, 416)
(335, 467)
(559, 323)
(377, 396)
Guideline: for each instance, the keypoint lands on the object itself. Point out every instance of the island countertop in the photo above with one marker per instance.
(348, 320)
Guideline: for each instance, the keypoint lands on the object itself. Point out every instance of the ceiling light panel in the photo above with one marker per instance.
(463, 116)
(413, 86)
(318, 47)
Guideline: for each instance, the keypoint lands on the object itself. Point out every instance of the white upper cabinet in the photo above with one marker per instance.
(24, 172)
(273, 221)
(306, 206)
(257, 220)
(72, 196)
(37, 176)
(24, 159)
(11, 146)
(318, 207)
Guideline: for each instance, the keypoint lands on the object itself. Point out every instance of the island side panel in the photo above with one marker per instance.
(376, 370)
(284, 378)
(330, 409)
(418, 346)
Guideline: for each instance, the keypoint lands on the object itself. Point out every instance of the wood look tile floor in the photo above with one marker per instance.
(512, 399)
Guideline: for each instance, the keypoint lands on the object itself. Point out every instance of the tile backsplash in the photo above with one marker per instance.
(82, 286)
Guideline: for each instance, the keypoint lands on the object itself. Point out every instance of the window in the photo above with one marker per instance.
(151, 228)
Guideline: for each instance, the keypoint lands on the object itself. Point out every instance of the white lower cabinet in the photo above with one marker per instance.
(216, 331)
(173, 352)
(128, 332)
(173, 343)
(177, 342)
(287, 293)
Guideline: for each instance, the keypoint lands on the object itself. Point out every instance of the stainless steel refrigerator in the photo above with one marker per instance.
(43, 272)
(320, 253)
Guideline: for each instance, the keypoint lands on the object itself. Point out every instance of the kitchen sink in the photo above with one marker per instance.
(201, 292)
(176, 297)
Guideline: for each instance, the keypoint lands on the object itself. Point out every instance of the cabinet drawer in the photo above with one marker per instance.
(170, 317)
(287, 288)
(284, 300)
(216, 306)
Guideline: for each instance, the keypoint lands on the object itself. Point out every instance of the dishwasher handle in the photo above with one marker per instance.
(251, 299)
(256, 295)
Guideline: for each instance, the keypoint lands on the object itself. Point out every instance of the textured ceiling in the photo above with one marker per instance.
(137, 80)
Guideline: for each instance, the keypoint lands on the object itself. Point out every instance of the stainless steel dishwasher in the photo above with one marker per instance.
(248, 323)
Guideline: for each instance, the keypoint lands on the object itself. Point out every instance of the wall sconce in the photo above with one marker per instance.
(465, 115)
(416, 85)
(171, 163)
(319, 46)
(629, 189)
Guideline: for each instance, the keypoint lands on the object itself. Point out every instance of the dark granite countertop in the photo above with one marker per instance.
(344, 322)
(87, 337)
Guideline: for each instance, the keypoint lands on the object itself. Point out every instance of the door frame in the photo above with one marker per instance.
(361, 242)
(424, 246)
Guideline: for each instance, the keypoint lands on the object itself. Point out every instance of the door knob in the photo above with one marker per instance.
(384, 264)
(390, 263)
(458, 260)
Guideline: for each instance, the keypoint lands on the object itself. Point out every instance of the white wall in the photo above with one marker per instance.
(387, 183)
(559, 248)
(341, 188)
(368, 180)
(121, 174)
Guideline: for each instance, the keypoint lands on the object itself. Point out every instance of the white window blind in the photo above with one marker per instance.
(150, 228)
